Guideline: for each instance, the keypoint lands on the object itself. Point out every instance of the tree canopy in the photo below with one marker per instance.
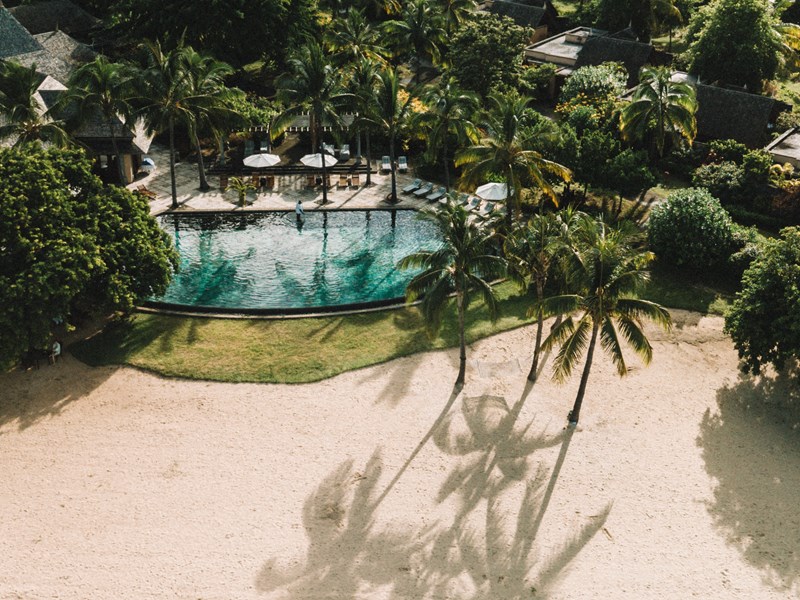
(764, 320)
(68, 244)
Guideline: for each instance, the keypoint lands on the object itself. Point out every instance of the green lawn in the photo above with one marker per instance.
(305, 350)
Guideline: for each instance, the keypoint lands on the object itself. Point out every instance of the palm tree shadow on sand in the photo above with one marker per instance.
(750, 448)
(487, 551)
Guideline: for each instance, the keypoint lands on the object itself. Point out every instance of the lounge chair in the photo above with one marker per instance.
(426, 189)
(462, 200)
(402, 164)
(328, 149)
(434, 196)
(386, 164)
(343, 183)
(270, 182)
(255, 181)
(486, 209)
(474, 203)
(412, 187)
(264, 146)
(146, 193)
(344, 153)
(249, 148)
(311, 181)
(355, 180)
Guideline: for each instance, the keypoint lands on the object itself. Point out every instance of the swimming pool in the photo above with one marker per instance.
(271, 263)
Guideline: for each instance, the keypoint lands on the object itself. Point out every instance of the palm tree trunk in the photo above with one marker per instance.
(462, 342)
(324, 172)
(537, 348)
(369, 159)
(201, 167)
(120, 171)
(446, 167)
(392, 167)
(575, 413)
(172, 163)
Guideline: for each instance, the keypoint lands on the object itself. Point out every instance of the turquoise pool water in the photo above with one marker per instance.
(270, 262)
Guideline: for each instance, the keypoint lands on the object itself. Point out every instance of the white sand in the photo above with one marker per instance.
(119, 484)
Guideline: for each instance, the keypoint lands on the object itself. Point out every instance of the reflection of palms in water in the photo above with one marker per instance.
(211, 274)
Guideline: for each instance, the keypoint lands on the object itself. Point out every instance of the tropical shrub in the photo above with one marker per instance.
(725, 180)
(726, 150)
(757, 167)
(595, 83)
(691, 229)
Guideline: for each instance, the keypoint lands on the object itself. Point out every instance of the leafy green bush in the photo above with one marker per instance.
(757, 165)
(534, 81)
(595, 82)
(725, 180)
(731, 150)
(691, 229)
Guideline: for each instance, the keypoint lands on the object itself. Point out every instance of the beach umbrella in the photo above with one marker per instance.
(492, 191)
(148, 165)
(262, 160)
(315, 160)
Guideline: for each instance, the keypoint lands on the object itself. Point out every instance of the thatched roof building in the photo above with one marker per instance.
(54, 15)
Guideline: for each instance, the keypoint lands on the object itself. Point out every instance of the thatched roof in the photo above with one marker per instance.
(14, 38)
(59, 55)
(52, 15)
(601, 49)
(730, 114)
(523, 15)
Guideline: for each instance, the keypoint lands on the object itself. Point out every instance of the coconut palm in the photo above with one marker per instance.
(165, 88)
(26, 118)
(391, 113)
(459, 269)
(454, 12)
(660, 107)
(208, 100)
(537, 251)
(105, 87)
(241, 186)
(362, 85)
(311, 86)
(352, 37)
(449, 112)
(419, 30)
(507, 148)
(609, 270)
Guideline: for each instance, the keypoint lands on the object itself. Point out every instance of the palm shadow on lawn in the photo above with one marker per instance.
(349, 556)
(751, 449)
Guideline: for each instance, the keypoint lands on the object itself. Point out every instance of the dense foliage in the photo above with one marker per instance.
(69, 244)
(764, 320)
(691, 229)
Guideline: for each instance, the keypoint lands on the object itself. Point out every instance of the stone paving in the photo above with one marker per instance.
(287, 190)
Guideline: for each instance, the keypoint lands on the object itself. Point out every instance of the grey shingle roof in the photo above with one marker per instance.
(523, 15)
(730, 114)
(51, 15)
(633, 55)
(14, 39)
(58, 55)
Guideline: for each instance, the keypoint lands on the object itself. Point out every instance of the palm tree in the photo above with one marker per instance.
(352, 38)
(454, 12)
(537, 251)
(507, 149)
(26, 118)
(312, 86)
(610, 269)
(449, 113)
(391, 112)
(419, 31)
(208, 100)
(105, 87)
(661, 107)
(362, 85)
(165, 88)
(241, 186)
(460, 267)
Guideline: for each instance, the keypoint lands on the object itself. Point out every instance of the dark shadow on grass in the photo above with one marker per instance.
(751, 449)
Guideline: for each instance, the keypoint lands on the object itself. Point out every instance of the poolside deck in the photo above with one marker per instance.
(286, 193)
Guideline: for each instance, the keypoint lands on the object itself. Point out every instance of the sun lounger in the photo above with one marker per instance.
(146, 193)
(264, 147)
(328, 149)
(486, 209)
(434, 196)
(343, 183)
(402, 164)
(474, 204)
(386, 164)
(344, 153)
(256, 181)
(412, 187)
(311, 181)
(463, 200)
(270, 182)
(355, 180)
(424, 190)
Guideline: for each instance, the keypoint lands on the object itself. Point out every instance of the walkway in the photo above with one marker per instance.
(286, 193)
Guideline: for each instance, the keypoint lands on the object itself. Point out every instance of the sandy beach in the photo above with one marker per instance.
(680, 482)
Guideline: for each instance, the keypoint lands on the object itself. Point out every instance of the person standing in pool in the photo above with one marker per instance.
(300, 214)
